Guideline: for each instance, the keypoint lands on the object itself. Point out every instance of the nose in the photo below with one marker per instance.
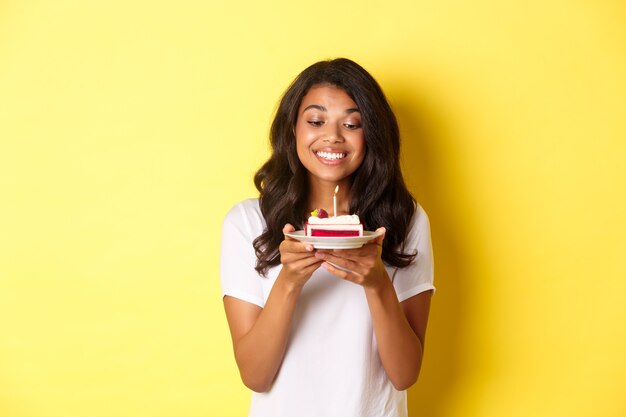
(333, 134)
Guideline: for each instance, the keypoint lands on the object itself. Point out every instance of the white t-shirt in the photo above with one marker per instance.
(331, 366)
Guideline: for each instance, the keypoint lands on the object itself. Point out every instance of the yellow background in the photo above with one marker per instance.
(128, 129)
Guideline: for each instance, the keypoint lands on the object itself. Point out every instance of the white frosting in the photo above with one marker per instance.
(348, 219)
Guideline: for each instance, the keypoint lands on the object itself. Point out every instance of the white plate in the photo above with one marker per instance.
(328, 242)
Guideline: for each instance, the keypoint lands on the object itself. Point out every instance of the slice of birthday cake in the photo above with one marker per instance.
(319, 224)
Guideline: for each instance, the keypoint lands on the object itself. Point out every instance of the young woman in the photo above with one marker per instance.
(325, 333)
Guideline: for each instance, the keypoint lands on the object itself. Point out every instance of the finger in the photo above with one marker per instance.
(339, 267)
(288, 228)
(306, 266)
(308, 262)
(341, 263)
(372, 248)
(292, 245)
(339, 272)
(379, 239)
(364, 251)
(292, 258)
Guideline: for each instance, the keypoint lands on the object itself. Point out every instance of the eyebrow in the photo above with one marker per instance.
(322, 108)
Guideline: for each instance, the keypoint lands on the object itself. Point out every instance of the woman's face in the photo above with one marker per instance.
(329, 135)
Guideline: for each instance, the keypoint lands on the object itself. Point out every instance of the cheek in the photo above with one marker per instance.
(299, 132)
(361, 157)
(301, 142)
(360, 151)
(359, 145)
(304, 138)
(302, 147)
(302, 152)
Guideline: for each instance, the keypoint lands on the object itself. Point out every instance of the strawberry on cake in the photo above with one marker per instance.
(319, 224)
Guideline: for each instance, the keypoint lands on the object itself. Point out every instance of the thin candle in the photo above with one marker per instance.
(335, 202)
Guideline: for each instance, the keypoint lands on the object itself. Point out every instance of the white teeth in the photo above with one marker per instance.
(331, 155)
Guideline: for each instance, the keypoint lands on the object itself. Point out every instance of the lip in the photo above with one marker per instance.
(330, 149)
(330, 161)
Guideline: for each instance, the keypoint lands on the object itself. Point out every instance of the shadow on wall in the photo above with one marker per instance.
(424, 157)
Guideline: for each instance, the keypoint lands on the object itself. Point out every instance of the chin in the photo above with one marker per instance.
(329, 177)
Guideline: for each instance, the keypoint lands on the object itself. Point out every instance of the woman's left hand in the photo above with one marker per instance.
(362, 266)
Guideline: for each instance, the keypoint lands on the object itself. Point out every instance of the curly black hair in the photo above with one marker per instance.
(282, 180)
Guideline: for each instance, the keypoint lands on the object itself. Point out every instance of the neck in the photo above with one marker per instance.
(321, 196)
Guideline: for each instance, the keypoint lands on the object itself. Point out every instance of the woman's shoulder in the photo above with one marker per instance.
(245, 208)
(247, 212)
(420, 213)
(420, 222)
(247, 205)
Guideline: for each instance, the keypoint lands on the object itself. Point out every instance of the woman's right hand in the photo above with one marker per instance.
(298, 259)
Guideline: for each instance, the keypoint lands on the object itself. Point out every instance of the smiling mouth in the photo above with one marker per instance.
(331, 156)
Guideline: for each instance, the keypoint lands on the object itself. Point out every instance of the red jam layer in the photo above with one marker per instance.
(334, 233)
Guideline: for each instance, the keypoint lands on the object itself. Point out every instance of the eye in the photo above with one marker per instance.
(316, 123)
(351, 126)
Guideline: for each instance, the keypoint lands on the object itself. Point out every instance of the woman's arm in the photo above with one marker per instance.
(399, 328)
(260, 335)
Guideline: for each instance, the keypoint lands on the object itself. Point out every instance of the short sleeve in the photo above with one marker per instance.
(419, 275)
(238, 277)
